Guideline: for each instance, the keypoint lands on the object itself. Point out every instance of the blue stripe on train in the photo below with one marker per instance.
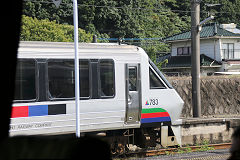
(157, 119)
(39, 110)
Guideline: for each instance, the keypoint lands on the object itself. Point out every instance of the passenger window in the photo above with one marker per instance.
(84, 78)
(155, 82)
(25, 82)
(61, 79)
(107, 79)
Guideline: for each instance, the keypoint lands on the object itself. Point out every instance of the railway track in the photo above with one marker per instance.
(158, 152)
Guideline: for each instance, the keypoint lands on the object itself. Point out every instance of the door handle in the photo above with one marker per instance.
(129, 99)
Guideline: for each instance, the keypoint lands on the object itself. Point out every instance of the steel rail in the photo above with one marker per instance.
(158, 152)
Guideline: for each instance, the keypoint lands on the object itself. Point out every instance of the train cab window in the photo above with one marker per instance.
(61, 79)
(107, 78)
(155, 82)
(25, 82)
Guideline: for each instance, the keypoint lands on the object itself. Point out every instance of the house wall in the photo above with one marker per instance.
(179, 44)
(213, 48)
(235, 41)
(209, 47)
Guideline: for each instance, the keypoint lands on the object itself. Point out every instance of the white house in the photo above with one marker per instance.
(219, 49)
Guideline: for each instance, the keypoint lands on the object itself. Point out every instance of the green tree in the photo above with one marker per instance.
(132, 18)
(42, 9)
(45, 30)
(229, 11)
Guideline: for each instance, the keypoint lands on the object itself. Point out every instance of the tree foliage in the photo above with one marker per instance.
(45, 30)
(125, 18)
(122, 18)
(132, 18)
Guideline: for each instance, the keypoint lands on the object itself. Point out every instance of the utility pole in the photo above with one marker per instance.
(76, 63)
(76, 68)
(195, 45)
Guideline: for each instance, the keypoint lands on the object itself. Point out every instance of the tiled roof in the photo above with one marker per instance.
(185, 61)
(209, 30)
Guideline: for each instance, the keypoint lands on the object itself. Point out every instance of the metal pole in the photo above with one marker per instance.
(94, 39)
(77, 74)
(195, 18)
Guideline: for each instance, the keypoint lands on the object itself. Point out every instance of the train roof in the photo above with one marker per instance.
(38, 49)
(70, 45)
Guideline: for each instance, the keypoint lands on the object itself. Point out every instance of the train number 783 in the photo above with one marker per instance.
(153, 101)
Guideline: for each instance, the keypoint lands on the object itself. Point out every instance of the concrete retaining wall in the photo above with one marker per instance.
(220, 98)
(220, 95)
(212, 130)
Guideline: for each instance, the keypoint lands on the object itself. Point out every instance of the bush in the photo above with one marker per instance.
(44, 30)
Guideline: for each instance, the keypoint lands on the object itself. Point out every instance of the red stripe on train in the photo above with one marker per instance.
(21, 111)
(154, 115)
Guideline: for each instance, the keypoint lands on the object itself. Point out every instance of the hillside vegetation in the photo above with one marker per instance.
(45, 30)
(123, 18)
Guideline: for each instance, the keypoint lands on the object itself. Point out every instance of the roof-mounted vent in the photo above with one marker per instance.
(230, 27)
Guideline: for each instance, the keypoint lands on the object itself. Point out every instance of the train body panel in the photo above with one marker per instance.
(121, 89)
(161, 107)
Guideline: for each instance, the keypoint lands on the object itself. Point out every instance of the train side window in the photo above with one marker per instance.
(107, 78)
(25, 81)
(61, 79)
(85, 78)
(155, 82)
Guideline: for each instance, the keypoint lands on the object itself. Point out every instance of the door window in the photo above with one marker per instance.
(132, 79)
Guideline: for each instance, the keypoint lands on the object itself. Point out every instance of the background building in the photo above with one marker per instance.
(219, 49)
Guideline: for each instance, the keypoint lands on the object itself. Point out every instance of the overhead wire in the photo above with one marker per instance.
(124, 7)
(155, 10)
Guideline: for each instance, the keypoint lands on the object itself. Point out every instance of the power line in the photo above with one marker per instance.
(107, 6)
(160, 10)
(100, 6)
(130, 39)
(145, 10)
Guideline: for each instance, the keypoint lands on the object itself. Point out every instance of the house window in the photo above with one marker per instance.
(183, 51)
(179, 51)
(228, 50)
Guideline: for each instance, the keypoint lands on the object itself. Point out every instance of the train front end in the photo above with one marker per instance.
(161, 106)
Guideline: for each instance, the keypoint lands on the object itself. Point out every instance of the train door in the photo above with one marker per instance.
(133, 93)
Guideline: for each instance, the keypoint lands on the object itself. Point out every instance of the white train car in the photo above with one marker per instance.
(120, 89)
